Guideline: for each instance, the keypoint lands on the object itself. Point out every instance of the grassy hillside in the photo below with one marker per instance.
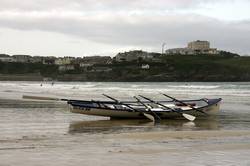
(28, 68)
(167, 68)
(190, 68)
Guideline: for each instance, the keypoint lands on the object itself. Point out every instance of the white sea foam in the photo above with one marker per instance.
(194, 86)
(88, 90)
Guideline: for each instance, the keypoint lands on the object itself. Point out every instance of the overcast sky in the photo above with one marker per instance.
(105, 27)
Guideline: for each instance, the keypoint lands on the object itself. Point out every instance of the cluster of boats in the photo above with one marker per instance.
(143, 107)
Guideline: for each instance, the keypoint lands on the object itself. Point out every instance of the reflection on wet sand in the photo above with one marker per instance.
(108, 126)
(120, 126)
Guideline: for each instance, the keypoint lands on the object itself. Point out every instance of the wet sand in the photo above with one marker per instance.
(157, 136)
(143, 148)
(38, 133)
(55, 137)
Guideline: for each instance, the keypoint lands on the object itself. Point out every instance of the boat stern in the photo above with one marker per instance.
(213, 106)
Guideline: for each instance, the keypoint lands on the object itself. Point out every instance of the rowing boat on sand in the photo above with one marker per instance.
(144, 107)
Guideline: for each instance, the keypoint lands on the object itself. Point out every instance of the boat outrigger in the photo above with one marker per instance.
(148, 108)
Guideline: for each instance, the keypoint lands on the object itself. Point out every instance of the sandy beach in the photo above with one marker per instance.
(38, 133)
(143, 148)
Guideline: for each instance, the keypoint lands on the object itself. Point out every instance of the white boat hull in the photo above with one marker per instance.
(210, 110)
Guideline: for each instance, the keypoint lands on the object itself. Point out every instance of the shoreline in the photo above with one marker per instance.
(81, 78)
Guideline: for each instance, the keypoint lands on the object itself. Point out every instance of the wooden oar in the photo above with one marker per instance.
(43, 98)
(157, 118)
(181, 102)
(151, 117)
(54, 99)
(187, 116)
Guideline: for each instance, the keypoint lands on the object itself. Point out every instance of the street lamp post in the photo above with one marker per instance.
(162, 48)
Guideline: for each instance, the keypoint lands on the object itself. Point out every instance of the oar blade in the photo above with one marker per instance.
(151, 117)
(148, 108)
(189, 117)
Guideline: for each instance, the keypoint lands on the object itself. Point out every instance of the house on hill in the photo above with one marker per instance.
(86, 62)
(63, 61)
(66, 67)
(133, 56)
(6, 58)
(194, 48)
(22, 58)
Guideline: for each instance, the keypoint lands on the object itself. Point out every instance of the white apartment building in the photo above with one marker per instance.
(199, 45)
(194, 48)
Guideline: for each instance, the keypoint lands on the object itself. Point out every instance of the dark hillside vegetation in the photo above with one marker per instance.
(165, 68)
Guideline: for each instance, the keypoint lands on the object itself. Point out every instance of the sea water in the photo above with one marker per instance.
(46, 133)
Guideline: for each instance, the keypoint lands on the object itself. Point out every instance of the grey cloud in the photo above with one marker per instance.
(45, 5)
(120, 27)
(136, 29)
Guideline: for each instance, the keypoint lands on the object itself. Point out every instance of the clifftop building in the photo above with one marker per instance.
(194, 48)
(199, 45)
